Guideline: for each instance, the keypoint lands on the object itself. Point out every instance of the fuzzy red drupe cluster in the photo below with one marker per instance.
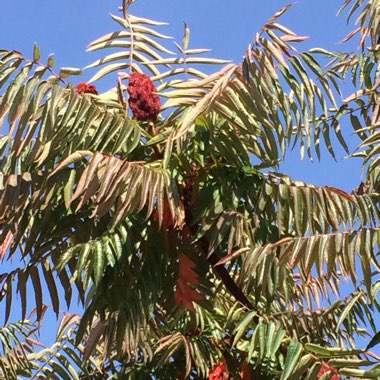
(145, 104)
(85, 88)
(219, 372)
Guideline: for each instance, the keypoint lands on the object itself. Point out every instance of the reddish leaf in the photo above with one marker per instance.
(290, 38)
(246, 372)
(170, 218)
(326, 368)
(351, 34)
(188, 278)
(167, 218)
(5, 244)
(95, 333)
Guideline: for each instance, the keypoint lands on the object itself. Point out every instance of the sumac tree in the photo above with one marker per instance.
(159, 203)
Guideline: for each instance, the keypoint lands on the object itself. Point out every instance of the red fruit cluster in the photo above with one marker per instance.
(145, 104)
(326, 368)
(219, 372)
(85, 88)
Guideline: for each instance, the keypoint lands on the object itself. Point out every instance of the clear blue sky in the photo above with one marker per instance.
(227, 27)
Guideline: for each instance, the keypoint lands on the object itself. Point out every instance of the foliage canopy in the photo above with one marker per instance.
(191, 255)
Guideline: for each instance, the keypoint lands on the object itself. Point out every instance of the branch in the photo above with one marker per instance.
(220, 270)
(228, 282)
